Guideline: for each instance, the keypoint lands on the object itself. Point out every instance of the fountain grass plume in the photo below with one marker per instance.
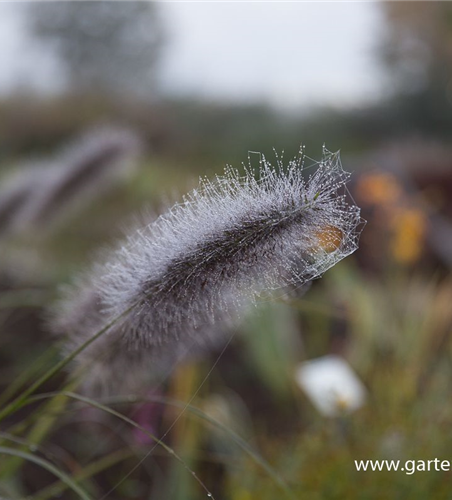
(15, 192)
(79, 173)
(196, 267)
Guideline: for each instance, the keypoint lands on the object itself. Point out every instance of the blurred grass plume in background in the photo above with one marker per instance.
(38, 195)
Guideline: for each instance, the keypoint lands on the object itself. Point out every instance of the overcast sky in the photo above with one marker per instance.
(290, 54)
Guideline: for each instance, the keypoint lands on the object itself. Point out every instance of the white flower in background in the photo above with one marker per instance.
(331, 385)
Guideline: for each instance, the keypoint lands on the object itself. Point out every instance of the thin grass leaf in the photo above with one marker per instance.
(241, 443)
(22, 398)
(48, 466)
(131, 422)
(87, 472)
(43, 425)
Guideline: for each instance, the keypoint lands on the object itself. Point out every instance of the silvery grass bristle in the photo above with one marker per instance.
(80, 173)
(194, 270)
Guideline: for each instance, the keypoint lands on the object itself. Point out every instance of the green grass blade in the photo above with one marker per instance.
(233, 435)
(195, 411)
(19, 401)
(131, 422)
(90, 470)
(48, 466)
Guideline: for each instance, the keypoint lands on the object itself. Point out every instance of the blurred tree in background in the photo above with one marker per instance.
(109, 58)
(417, 50)
(101, 49)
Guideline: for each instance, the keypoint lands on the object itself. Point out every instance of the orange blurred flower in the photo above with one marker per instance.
(409, 226)
(379, 188)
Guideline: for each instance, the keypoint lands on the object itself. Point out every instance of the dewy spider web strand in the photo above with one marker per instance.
(179, 416)
(84, 372)
(274, 474)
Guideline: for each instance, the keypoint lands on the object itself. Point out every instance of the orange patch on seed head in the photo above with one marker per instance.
(329, 238)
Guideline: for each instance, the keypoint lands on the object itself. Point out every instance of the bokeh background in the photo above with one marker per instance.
(201, 85)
